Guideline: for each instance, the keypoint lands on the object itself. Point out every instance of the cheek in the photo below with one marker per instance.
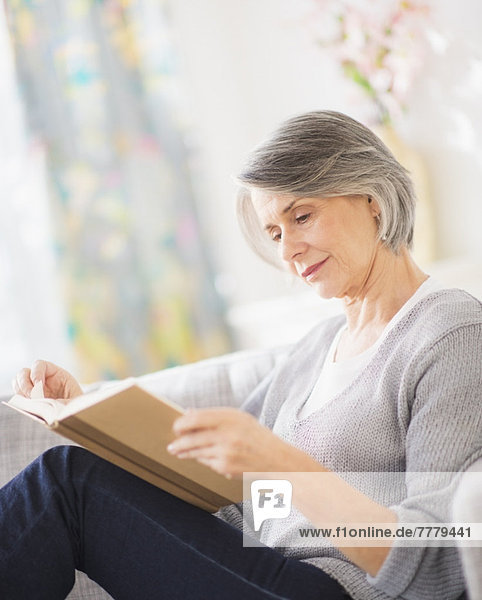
(351, 253)
(355, 254)
(358, 239)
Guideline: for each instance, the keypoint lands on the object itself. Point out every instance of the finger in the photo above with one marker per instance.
(214, 457)
(200, 419)
(206, 461)
(206, 452)
(216, 465)
(24, 384)
(40, 371)
(190, 442)
(15, 386)
(209, 455)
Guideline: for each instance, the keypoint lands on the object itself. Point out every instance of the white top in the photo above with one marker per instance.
(336, 376)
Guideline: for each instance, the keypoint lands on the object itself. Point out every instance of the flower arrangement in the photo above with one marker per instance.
(380, 46)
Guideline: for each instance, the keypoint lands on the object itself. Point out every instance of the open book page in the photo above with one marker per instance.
(50, 410)
(47, 409)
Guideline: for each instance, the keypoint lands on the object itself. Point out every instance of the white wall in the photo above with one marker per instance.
(250, 64)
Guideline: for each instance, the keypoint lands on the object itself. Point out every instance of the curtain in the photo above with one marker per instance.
(100, 87)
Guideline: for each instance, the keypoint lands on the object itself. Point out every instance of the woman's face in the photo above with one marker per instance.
(330, 243)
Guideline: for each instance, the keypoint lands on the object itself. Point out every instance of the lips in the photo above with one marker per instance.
(310, 271)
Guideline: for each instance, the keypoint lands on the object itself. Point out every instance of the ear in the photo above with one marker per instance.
(374, 206)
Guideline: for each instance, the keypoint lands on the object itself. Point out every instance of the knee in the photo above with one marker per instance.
(64, 462)
(59, 455)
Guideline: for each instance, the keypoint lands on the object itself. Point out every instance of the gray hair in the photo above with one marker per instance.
(327, 154)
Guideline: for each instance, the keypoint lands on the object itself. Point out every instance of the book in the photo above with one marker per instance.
(130, 427)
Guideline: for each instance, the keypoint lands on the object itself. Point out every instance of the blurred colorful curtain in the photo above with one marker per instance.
(98, 79)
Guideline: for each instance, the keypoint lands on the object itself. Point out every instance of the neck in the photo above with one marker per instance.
(391, 281)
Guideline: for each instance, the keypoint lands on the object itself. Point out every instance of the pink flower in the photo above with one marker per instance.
(380, 50)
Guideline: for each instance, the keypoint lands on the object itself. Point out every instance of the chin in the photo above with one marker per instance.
(323, 291)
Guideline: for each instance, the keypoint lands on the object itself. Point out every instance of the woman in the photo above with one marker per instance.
(391, 388)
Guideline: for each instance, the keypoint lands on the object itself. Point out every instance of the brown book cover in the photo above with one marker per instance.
(131, 428)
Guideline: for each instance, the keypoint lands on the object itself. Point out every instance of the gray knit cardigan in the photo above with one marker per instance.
(415, 409)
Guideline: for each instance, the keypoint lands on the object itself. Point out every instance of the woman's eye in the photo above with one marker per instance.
(276, 237)
(303, 218)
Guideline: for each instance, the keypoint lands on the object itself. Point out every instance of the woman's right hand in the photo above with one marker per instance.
(57, 382)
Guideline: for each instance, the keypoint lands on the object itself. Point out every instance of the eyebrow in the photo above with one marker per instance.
(285, 210)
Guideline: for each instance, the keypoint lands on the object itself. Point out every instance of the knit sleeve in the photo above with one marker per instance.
(443, 437)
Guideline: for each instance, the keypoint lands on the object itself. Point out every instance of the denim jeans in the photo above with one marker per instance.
(72, 510)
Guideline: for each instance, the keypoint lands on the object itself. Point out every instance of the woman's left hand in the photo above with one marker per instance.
(232, 442)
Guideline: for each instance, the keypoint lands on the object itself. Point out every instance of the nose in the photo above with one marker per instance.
(292, 246)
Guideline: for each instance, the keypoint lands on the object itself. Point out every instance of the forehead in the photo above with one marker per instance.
(267, 204)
